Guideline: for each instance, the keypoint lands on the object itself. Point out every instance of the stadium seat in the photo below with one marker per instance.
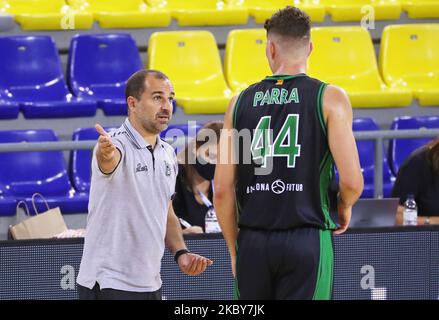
(8, 109)
(31, 75)
(409, 58)
(262, 10)
(245, 62)
(123, 14)
(344, 56)
(80, 160)
(191, 59)
(400, 149)
(24, 173)
(356, 10)
(202, 12)
(7, 204)
(421, 8)
(366, 154)
(47, 15)
(99, 66)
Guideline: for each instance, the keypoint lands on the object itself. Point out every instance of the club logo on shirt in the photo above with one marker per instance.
(168, 169)
(278, 187)
(141, 168)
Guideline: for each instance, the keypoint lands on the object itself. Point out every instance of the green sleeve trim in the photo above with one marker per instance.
(320, 106)
(325, 179)
(235, 109)
(322, 164)
(323, 289)
(326, 166)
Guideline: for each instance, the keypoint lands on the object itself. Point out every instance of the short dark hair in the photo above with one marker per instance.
(136, 83)
(290, 22)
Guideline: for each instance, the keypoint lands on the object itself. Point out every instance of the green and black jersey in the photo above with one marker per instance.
(285, 169)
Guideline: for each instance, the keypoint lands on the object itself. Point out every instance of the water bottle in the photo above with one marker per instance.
(211, 222)
(410, 213)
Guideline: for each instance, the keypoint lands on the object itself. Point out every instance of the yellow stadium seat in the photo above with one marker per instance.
(409, 57)
(245, 62)
(344, 56)
(202, 12)
(46, 15)
(192, 62)
(421, 8)
(356, 10)
(123, 13)
(261, 10)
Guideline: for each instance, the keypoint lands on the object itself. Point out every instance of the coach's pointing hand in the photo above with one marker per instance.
(106, 154)
(106, 146)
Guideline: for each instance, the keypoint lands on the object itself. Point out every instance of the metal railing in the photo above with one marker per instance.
(378, 136)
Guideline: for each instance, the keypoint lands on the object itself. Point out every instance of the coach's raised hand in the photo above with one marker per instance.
(107, 154)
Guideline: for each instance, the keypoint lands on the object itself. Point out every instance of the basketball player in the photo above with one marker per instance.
(278, 224)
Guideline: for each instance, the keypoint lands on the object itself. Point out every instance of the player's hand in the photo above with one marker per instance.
(106, 146)
(344, 217)
(193, 264)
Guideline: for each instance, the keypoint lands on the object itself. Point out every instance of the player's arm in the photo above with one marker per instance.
(107, 155)
(189, 263)
(338, 114)
(225, 176)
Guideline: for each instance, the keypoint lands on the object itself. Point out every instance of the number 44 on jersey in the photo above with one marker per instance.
(285, 144)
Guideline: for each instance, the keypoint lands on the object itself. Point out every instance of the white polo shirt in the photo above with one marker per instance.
(128, 208)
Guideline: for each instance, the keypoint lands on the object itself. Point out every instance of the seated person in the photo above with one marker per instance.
(193, 189)
(419, 175)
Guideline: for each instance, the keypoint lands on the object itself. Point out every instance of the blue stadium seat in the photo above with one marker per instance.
(99, 66)
(400, 149)
(80, 160)
(7, 203)
(8, 109)
(24, 173)
(179, 134)
(366, 153)
(31, 75)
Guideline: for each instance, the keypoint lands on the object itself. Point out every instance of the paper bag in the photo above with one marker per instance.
(41, 226)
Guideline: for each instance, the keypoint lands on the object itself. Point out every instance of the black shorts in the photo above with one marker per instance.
(112, 294)
(291, 264)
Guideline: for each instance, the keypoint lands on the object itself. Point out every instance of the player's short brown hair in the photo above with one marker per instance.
(289, 22)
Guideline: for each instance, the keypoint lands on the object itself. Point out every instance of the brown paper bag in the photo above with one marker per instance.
(41, 226)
